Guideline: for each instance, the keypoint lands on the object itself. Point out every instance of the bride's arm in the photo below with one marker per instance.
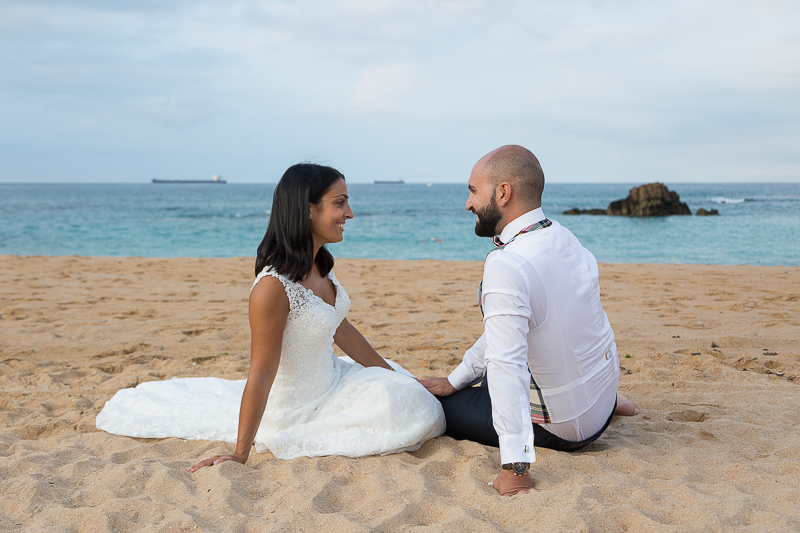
(353, 343)
(269, 309)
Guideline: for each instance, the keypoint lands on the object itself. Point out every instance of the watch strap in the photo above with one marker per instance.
(519, 469)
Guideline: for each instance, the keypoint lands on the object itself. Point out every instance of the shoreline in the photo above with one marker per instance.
(713, 370)
(454, 261)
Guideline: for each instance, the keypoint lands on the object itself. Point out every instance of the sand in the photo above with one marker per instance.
(709, 353)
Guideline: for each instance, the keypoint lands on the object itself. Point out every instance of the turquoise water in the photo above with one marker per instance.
(758, 223)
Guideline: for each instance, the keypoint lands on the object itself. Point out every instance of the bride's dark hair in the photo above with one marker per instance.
(288, 246)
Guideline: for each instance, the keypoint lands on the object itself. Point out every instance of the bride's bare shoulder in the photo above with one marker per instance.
(268, 294)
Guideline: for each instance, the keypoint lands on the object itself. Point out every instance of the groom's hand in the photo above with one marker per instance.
(438, 386)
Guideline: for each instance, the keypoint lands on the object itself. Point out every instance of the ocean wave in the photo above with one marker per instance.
(723, 200)
(221, 215)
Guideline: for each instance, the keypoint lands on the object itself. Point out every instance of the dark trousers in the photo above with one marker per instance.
(468, 414)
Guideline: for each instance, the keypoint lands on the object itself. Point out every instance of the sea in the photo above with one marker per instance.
(758, 224)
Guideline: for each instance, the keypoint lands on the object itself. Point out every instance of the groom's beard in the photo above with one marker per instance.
(488, 218)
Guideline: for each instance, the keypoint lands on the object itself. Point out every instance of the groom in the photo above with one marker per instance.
(547, 361)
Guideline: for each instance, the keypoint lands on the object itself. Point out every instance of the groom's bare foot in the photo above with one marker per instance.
(625, 407)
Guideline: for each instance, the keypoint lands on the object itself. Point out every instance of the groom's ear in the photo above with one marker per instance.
(503, 193)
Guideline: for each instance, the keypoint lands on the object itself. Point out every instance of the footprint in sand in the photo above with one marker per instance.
(688, 415)
(329, 499)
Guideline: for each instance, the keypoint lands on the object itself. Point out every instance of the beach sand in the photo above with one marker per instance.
(710, 356)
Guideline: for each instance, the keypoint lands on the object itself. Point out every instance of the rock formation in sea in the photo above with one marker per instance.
(707, 212)
(650, 200)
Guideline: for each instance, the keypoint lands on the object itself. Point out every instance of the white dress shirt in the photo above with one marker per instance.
(542, 311)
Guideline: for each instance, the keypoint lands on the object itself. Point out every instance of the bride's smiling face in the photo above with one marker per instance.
(330, 214)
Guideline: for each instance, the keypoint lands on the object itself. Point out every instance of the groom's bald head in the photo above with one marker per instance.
(519, 167)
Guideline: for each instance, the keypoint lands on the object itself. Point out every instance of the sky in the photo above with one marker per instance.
(601, 91)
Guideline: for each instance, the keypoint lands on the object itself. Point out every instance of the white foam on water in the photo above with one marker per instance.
(723, 200)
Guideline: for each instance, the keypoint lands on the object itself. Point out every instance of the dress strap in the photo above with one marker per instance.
(268, 271)
(294, 291)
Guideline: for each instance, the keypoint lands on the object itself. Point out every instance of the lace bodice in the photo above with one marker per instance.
(308, 366)
(299, 296)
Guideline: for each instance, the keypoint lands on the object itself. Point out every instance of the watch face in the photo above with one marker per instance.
(520, 468)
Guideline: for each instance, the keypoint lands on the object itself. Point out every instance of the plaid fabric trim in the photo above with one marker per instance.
(480, 296)
(539, 412)
(533, 227)
(499, 245)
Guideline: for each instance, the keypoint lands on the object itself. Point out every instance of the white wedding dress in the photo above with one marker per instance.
(319, 404)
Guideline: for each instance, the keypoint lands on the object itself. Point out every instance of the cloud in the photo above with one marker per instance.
(644, 81)
(378, 87)
(175, 111)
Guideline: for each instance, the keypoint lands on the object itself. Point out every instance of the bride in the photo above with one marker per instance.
(299, 399)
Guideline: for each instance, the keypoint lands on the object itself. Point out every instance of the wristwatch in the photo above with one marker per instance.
(519, 469)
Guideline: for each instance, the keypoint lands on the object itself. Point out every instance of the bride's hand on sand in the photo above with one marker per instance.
(507, 484)
(217, 459)
(438, 386)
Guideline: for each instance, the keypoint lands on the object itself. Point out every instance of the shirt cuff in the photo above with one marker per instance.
(517, 449)
(462, 377)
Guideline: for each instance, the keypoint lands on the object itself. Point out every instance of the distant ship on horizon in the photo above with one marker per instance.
(216, 179)
(389, 182)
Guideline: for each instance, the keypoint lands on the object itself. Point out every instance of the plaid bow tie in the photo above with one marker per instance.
(500, 244)
(533, 227)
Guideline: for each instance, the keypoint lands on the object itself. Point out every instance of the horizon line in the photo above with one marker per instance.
(228, 182)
